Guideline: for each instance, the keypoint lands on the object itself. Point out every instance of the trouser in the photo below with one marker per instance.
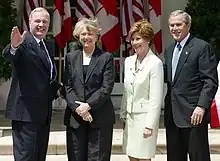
(30, 141)
(183, 141)
(89, 144)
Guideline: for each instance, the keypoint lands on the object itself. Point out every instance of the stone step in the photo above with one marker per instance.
(57, 142)
(56, 123)
(5, 131)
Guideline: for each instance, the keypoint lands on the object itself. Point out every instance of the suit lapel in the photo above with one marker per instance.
(79, 65)
(132, 65)
(35, 46)
(51, 49)
(93, 63)
(145, 60)
(169, 62)
(183, 57)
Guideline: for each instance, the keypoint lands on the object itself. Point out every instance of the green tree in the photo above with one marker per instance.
(7, 21)
(206, 21)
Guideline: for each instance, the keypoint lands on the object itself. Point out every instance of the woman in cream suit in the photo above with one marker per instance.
(142, 98)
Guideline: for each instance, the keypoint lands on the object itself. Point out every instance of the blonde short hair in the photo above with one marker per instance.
(144, 28)
(89, 24)
(39, 9)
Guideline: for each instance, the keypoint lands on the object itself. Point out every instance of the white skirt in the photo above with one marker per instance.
(134, 144)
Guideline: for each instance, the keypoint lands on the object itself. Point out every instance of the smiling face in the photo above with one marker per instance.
(39, 23)
(88, 38)
(178, 27)
(139, 44)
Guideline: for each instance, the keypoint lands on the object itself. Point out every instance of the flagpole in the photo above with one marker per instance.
(146, 8)
(60, 65)
(59, 99)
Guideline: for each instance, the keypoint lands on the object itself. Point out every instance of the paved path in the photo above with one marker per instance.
(214, 157)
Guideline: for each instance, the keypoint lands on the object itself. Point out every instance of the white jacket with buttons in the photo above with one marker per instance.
(143, 88)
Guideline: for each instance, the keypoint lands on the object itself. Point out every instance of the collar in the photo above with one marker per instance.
(183, 42)
(88, 55)
(143, 63)
(38, 40)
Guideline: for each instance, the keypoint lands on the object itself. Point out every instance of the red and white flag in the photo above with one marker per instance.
(215, 115)
(155, 20)
(29, 5)
(85, 8)
(107, 15)
(138, 10)
(62, 22)
(215, 108)
(132, 11)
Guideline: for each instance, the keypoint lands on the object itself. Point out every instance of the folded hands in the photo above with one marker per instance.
(83, 111)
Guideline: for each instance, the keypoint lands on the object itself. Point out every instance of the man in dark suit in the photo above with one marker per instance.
(29, 103)
(192, 83)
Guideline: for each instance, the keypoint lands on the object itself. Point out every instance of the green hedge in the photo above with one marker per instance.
(206, 21)
(7, 21)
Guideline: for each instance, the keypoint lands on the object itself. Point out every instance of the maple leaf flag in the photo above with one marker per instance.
(62, 22)
(154, 18)
(107, 15)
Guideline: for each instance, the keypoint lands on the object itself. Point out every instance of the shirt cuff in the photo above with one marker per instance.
(12, 50)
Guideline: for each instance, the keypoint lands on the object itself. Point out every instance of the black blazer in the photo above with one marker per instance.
(95, 89)
(195, 82)
(30, 95)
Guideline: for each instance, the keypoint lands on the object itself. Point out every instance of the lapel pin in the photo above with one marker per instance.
(186, 52)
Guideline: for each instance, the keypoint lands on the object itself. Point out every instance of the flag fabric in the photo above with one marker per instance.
(62, 22)
(215, 107)
(155, 20)
(132, 11)
(85, 8)
(215, 113)
(107, 14)
(138, 10)
(29, 5)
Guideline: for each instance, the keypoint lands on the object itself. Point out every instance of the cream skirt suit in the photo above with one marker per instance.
(141, 105)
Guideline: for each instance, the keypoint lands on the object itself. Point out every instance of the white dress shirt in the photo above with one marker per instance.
(87, 58)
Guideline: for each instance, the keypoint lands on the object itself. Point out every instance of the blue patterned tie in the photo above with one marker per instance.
(176, 56)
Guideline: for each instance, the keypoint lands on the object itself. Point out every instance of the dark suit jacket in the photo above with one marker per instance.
(30, 95)
(195, 82)
(95, 89)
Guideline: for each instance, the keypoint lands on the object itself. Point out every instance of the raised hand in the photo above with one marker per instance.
(16, 37)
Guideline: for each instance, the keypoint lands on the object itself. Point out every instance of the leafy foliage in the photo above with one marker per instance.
(7, 21)
(206, 21)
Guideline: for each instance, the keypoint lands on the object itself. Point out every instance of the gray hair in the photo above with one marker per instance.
(89, 24)
(39, 9)
(186, 16)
